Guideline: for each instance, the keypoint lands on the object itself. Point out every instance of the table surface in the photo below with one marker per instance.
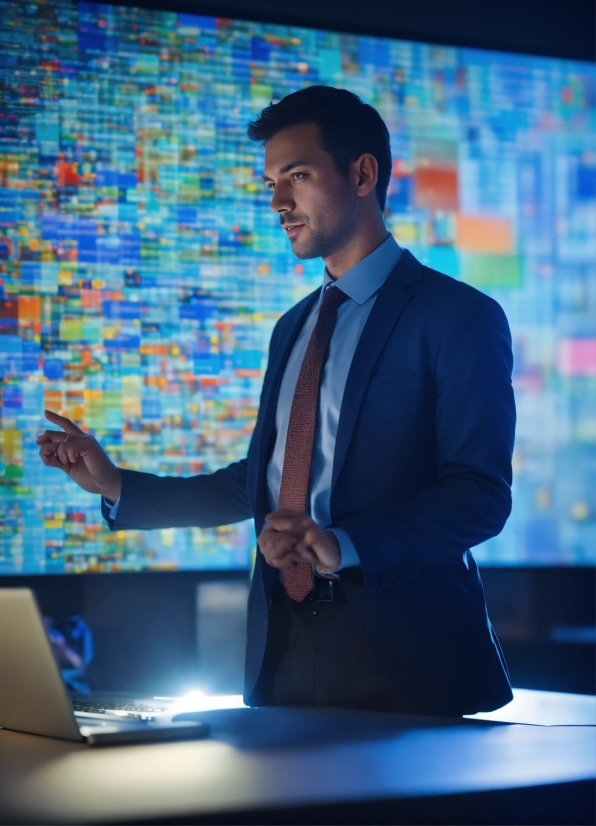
(269, 758)
(544, 708)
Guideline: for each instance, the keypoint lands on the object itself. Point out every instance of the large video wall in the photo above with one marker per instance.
(141, 270)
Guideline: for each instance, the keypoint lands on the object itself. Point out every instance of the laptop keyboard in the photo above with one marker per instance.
(123, 709)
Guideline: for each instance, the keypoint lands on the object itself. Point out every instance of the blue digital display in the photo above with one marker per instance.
(141, 270)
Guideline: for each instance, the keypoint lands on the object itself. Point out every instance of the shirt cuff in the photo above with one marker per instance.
(113, 506)
(349, 554)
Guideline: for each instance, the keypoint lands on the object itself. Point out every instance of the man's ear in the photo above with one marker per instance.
(366, 173)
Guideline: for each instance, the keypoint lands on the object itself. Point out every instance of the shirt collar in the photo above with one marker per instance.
(363, 280)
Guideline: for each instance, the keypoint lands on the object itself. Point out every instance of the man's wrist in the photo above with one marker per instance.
(348, 554)
(330, 566)
(112, 492)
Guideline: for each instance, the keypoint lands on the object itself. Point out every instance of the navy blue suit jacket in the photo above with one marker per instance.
(421, 473)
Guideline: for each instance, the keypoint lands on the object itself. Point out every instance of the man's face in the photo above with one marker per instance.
(317, 205)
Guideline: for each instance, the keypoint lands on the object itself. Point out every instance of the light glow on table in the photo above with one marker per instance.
(544, 708)
(529, 707)
(198, 700)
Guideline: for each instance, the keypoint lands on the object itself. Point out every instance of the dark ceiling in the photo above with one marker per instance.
(560, 28)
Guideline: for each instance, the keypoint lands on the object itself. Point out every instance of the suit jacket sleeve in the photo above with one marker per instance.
(206, 501)
(469, 499)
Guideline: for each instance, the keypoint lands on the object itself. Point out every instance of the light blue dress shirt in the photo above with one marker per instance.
(361, 284)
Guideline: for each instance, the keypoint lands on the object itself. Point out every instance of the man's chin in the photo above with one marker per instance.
(304, 251)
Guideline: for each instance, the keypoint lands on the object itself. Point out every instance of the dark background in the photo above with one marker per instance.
(165, 633)
(559, 28)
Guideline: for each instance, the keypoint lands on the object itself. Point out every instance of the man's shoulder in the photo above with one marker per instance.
(454, 296)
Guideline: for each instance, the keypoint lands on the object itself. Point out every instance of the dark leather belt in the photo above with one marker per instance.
(332, 590)
(323, 590)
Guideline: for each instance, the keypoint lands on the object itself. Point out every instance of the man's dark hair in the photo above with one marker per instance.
(348, 127)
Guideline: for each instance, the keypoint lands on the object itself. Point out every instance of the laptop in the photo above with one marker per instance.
(34, 697)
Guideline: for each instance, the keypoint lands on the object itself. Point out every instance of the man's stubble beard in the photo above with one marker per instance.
(329, 238)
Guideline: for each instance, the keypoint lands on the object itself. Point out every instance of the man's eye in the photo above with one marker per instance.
(298, 176)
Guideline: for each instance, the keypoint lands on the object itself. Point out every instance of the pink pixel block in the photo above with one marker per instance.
(577, 357)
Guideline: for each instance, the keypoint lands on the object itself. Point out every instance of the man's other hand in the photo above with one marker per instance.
(80, 456)
(292, 538)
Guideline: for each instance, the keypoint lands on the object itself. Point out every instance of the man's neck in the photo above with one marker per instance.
(358, 248)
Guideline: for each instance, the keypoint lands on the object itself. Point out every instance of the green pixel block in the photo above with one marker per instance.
(492, 271)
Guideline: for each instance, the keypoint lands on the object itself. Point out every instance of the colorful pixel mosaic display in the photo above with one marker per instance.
(142, 270)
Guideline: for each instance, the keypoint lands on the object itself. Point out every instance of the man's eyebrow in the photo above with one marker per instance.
(287, 168)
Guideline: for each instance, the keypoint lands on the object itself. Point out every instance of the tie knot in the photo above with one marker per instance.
(332, 298)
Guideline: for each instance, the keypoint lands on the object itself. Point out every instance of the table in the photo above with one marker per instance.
(309, 765)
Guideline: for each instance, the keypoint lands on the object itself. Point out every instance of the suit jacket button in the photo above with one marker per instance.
(265, 618)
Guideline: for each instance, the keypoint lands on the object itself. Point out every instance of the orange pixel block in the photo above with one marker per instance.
(29, 308)
(436, 188)
(52, 400)
(246, 373)
(154, 349)
(482, 234)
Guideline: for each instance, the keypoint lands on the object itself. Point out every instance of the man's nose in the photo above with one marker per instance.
(281, 200)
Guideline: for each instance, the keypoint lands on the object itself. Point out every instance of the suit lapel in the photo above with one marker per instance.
(391, 300)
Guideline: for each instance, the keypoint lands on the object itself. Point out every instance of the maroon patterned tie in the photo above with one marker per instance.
(298, 582)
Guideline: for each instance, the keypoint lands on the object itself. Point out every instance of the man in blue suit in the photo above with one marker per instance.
(381, 453)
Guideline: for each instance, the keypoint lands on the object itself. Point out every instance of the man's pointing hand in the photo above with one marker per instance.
(80, 456)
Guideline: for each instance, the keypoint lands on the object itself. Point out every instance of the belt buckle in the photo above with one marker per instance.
(322, 592)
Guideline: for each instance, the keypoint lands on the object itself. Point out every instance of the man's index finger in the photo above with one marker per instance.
(64, 423)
